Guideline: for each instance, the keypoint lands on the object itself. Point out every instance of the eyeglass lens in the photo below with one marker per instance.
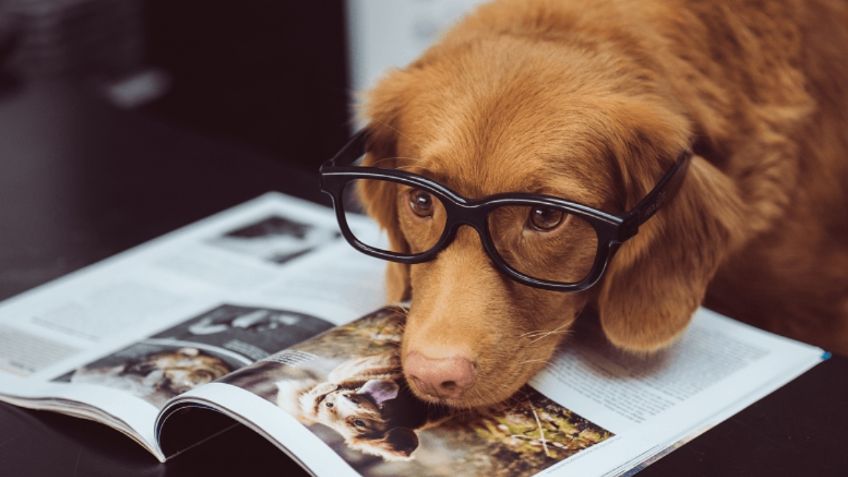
(540, 241)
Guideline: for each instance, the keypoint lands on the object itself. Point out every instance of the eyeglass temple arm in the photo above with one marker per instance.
(353, 150)
(665, 190)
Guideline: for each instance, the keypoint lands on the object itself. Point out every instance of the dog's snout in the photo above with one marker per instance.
(447, 377)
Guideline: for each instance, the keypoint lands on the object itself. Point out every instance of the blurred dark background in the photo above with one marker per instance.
(275, 77)
(269, 75)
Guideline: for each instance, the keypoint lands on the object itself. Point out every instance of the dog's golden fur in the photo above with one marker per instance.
(593, 101)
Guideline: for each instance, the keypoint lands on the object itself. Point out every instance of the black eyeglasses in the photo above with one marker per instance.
(538, 240)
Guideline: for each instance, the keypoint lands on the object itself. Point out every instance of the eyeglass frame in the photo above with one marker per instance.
(612, 230)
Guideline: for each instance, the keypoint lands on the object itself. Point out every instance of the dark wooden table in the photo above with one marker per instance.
(80, 181)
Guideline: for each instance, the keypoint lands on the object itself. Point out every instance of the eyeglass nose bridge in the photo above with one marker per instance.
(472, 215)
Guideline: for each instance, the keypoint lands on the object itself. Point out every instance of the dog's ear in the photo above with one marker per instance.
(399, 442)
(659, 277)
(379, 390)
(383, 109)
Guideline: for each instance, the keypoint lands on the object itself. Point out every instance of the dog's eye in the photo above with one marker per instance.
(544, 218)
(328, 404)
(421, 203)
(359, 423)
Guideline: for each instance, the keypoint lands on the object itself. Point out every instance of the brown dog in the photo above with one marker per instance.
(593, 101)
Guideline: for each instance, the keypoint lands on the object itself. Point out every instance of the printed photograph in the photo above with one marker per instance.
(347, 387)
(275, 239)
(197, 351)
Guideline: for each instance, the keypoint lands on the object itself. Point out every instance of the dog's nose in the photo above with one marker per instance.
(446, 377)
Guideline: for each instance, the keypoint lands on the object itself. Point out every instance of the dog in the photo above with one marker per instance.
(364, 400)
(592, 102)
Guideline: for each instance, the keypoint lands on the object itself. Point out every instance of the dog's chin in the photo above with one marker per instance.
(471, 399)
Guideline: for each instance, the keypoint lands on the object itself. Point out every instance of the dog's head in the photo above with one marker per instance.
(504, 114)
(374, 418)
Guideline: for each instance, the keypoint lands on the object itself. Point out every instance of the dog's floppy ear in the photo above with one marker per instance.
(379, 390)
(659, 277)
(382, 109)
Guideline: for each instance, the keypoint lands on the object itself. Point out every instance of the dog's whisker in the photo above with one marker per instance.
(538, 338)
(534, 333)
(541, 360)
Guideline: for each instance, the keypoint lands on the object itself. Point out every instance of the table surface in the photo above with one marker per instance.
(80, 181)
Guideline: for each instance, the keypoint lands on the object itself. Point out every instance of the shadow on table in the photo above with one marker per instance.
(71, 446)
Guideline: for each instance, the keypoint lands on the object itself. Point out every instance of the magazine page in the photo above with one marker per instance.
(655, 403)
(113, 342)
(338, 404)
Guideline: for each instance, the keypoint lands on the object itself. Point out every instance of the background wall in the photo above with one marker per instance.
(388, 33)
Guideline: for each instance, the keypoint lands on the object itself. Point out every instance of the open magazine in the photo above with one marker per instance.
(263, 316)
